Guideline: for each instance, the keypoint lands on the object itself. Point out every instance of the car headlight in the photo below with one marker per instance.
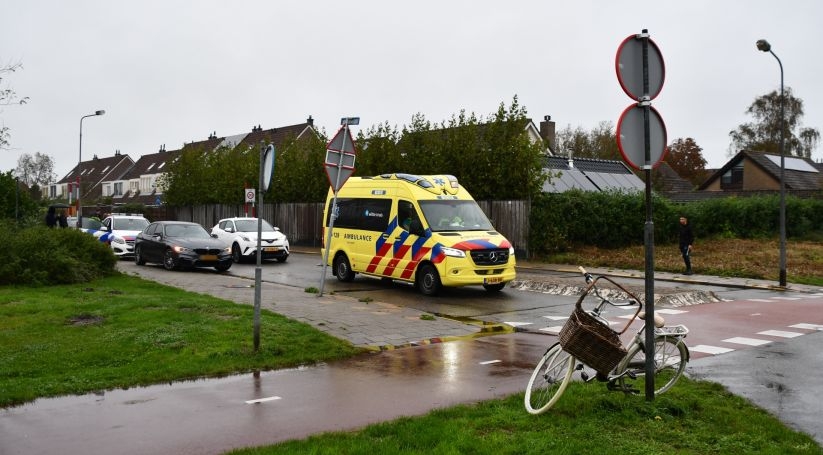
(119, 240)
(180, 249)
(227, 250)
(453, 252)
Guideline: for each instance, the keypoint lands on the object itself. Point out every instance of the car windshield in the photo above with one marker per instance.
(189, 231)
(91, 223)
(455, 215)
(129, 224)
(251, 226)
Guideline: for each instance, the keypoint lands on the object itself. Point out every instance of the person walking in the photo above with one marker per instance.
(686, 241)
(51, 217)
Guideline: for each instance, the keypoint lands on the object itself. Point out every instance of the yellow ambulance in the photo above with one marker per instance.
(422, 229)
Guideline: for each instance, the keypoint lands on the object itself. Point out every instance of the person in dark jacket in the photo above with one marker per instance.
(62, 220)
(51, 218)
(686, 241)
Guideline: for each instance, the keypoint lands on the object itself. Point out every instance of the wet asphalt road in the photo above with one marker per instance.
(212, 416)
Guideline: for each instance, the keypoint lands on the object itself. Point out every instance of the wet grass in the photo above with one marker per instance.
(693, 418)
(122, 332)
(744, 258)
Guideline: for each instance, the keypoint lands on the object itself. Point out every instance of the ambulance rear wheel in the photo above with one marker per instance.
(342, 268)
(428, 280)
(494, 287)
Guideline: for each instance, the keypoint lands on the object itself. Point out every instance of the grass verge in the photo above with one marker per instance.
(121, 331)
(695, 417)
(743, 258)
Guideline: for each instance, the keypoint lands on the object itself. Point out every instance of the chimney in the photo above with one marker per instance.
(310, 121)
(547, 132)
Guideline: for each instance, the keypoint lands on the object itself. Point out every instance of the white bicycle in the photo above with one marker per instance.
(557, 366)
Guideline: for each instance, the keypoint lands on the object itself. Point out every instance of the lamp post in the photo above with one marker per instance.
(79, 163)
(764, 46)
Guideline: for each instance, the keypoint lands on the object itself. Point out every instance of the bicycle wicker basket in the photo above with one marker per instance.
(591, 341)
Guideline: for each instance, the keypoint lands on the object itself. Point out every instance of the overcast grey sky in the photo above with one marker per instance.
(173, 71)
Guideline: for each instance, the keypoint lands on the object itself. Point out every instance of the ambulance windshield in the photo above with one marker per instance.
(455, 215)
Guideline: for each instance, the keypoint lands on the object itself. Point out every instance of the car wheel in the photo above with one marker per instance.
(169, 261)
(138, 256)
(223, 267)
(428, 280)
(282, 259)
(342, 267)
(236, 256)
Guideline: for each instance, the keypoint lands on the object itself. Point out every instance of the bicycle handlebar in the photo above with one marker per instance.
(586, 275)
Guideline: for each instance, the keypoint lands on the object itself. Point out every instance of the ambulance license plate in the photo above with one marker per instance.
(493, 280)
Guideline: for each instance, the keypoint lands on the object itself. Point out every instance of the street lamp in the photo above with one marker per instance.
(79, 163)
(764, 46)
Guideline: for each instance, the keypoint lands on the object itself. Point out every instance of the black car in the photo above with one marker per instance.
(177, 244)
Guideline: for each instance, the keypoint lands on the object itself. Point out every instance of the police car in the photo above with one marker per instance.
(122, 229)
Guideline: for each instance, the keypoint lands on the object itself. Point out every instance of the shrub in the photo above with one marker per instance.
(42, 256)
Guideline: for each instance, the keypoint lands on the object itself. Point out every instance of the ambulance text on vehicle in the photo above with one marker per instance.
(426, 230)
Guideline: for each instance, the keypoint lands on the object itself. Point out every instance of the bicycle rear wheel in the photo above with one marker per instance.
(549, 379)
(670, 358)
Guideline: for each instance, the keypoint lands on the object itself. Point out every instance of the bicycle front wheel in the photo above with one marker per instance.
(670, 358)
(549, 379)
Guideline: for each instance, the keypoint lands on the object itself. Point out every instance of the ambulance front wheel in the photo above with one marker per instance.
(428, 280)
(342, 268)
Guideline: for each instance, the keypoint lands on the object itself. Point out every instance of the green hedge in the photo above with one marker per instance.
(559, 221)
(42, 256)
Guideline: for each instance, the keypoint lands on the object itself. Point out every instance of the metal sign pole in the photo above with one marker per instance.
(334, 208)
(649, 227)
(258, 271)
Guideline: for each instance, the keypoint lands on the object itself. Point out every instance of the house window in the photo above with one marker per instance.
(106, 189)
(733, 178)
(150, 166)
(118, 189)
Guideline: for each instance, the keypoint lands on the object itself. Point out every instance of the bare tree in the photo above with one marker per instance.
(35, 170)
(8, 97)
(764, 133)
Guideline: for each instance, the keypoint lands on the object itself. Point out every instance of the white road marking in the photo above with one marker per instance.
(788, 298)
(553, 329)
(747, 341)
(780, 333)
(762, 300)
(489, 362)
(670, 311)
(556, 318)
(709, 349)
(262, 400)
(807, 326)
(517, 324)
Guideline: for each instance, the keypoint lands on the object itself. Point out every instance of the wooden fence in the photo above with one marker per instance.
(303, 222)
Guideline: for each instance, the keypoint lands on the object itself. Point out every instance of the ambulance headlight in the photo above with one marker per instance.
(453, 252)
(511, 251)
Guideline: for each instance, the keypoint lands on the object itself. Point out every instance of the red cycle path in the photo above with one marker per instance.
(711, 324)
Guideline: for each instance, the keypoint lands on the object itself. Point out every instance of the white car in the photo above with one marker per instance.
(122, 229)
(241, 235)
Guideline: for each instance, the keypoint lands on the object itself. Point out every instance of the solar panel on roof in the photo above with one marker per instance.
(793, 164)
